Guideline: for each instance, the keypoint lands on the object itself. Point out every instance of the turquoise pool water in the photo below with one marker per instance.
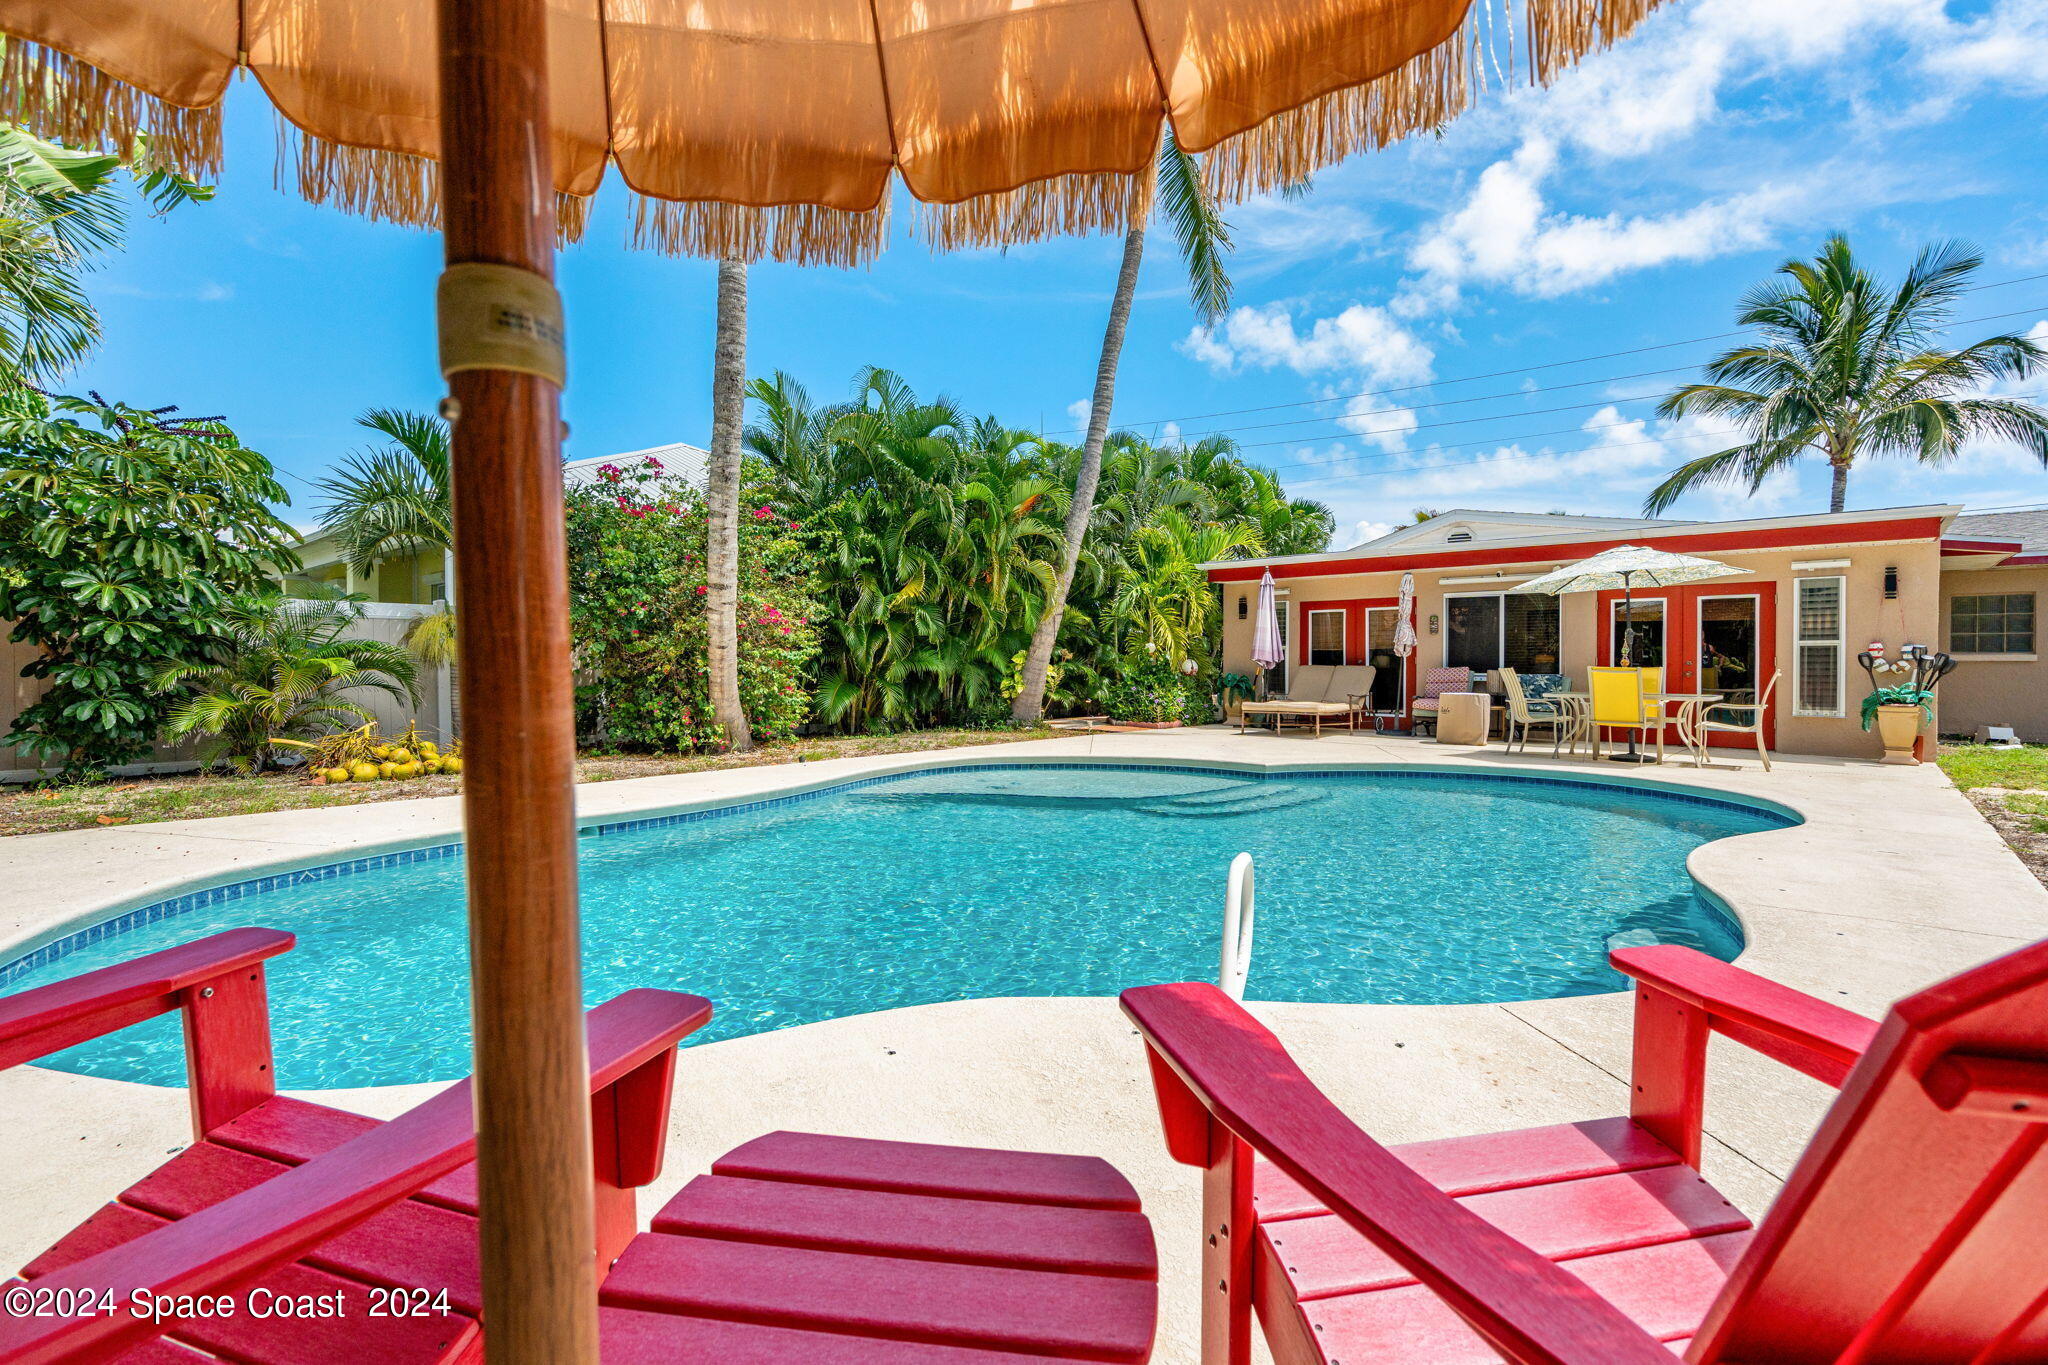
(1380, 887)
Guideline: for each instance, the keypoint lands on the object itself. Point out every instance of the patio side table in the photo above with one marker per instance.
(1464, 718)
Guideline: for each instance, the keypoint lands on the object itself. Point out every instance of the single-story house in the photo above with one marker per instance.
(1814, 592)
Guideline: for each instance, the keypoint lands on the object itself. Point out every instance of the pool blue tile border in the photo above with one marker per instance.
(172, 907)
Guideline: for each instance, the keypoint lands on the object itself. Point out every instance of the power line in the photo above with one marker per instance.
(1532, 369)
(1392, 471)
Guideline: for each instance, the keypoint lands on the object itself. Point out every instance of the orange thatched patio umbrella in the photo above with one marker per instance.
(754, 128)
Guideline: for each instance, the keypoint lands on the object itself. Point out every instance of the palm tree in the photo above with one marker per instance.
(395, 500)
(285, 663)
(1844, 369)
(59, 208)
(722, 504)
(1204, 238)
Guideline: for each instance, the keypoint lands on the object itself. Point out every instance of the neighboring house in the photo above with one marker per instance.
(398, 590)
(1817, 590)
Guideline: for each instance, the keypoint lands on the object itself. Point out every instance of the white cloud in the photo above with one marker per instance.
(1378, 422)
(1363, 339)
(1370, 530)
(1505, 234)
(1078, 412)
(1290, 227)
(2007, 46)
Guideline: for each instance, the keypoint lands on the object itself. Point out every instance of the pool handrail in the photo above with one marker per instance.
(1235, 964)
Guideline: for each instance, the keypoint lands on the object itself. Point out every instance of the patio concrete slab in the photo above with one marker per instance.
(1892, 881)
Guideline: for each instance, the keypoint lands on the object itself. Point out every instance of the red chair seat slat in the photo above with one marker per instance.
(920, 1168)
(1665, 1288)
(924, 1227)
(1491, 1161)
(296, 1131)
(629, 1337)
(1569, 1218)
(1094, 1317)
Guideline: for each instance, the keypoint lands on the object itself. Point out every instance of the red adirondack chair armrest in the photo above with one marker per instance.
(222, 1247)
(1682, 995)
(1808, 1034)
(34, 1023)
(216, 981)
(1213, 1064)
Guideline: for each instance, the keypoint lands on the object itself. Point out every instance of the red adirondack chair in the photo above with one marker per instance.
(1913, 1230)
(828, 1251)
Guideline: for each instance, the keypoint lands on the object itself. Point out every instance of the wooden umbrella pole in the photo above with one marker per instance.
(501, 348)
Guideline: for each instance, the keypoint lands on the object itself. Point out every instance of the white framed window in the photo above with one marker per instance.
(1489, 630)
(1818, 674)
(1326, 636)
(1992, 623)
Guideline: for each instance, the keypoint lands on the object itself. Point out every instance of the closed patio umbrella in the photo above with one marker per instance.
(772, 129)
(1404, 619)
(1267, 650)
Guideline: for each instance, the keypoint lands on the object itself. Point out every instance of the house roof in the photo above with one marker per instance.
(1537, 523)
(1828, 528)
(678, 458)
(2027, 529)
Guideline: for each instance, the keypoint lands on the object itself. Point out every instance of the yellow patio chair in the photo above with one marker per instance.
(1619, 703)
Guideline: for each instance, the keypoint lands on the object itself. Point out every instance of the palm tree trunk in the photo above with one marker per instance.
(1030, 703)
(1839, 497)
(722, 503)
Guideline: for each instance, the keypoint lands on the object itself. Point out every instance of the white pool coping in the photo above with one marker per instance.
(1892, 881)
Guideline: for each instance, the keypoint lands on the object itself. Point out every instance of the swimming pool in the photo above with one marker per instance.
(986, 880)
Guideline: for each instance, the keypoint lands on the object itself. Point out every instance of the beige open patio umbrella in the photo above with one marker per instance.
(754, 128)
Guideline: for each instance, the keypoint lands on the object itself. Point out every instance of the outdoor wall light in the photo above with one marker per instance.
(1432, 623)
(1891, 581)
(1242, 610)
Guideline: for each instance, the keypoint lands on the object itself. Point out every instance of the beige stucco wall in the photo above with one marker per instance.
(1993, 690)
(1912, 617)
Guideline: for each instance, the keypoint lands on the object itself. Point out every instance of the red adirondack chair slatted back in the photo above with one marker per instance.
(1915, 1227)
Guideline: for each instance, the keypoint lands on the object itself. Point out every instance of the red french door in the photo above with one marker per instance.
(1707, 637)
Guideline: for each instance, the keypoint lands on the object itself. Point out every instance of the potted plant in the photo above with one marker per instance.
(1233, 689)
(1902, 708)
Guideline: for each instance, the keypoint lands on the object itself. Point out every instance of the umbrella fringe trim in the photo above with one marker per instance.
(66, 100)
(1421, 95)
(805, 234)
(385, 186)
(1064, 206)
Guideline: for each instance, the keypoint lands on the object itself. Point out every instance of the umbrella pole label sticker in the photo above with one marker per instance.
(500, 317)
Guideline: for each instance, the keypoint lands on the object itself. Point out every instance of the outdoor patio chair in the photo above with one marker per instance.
(796, 1248)
(1318, 692)
(1741, 718)
(1910, 1230)
(1620, 702)
(1530, 706)
(1433, 684)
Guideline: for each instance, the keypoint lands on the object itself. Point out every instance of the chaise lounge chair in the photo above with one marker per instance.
(1911, 1230)
(796, 1248)
(1319, 692)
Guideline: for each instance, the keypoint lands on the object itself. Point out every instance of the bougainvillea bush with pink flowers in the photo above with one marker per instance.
(636, 609)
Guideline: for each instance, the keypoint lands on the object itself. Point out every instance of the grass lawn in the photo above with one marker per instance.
(1980, 765)
(143, 800)
(2010, 787)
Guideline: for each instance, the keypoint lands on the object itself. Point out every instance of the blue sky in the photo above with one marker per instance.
(1627, 206)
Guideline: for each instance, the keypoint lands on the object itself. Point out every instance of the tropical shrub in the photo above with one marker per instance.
(637, 586)
(283, 666)
(125, 534)
(939, 537)
(1157, 690)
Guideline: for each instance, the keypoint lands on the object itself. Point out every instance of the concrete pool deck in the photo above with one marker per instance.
(1893, 881)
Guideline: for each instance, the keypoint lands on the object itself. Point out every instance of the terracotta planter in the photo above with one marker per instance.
(1898, 727)
(1147, 724)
